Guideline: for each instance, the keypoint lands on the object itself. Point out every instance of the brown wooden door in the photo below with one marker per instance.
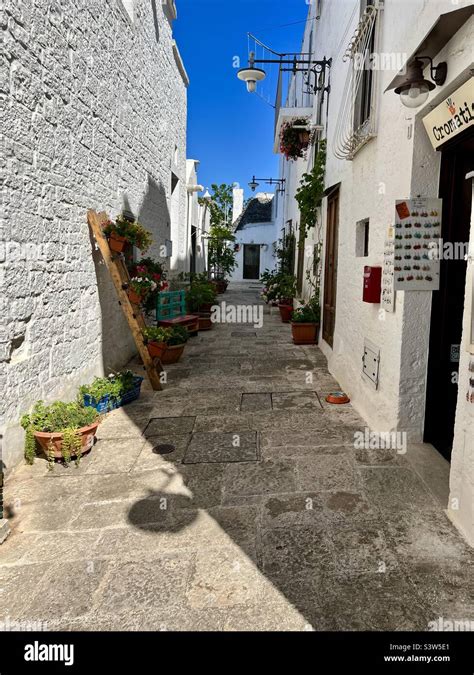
(330, 273)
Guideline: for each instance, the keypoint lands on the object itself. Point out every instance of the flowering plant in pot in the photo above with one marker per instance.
(64, 431)
(139, 289)
(154, 271)
(285, 292)
(108, 393)
(305, 324)
(166, 343)
(295, 138)
(124, 231)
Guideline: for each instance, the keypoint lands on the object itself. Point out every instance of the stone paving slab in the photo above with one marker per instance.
(309, 532)
(218, 447)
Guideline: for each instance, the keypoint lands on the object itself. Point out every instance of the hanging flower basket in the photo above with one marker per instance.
(117, 243)
(295, 138)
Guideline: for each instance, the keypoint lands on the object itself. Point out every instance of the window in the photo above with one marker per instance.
(362, 239)
(363, 105)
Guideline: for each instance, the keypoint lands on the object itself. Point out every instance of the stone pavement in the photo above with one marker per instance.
(236, 500)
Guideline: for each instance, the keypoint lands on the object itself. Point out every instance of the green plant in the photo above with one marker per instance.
(285, 254)
(142, 286)
(200, 293)
(59, 417)
(280, 287)
(221, 257)
(290, 142)
(154, 271)
(177, 335)
(307, 313)
(114, 386)
(133, 232)
(311, 191)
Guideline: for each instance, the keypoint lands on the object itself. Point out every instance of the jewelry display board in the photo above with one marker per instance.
(417, 241)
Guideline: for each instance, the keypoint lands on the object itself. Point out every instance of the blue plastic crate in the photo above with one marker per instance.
(106, 404)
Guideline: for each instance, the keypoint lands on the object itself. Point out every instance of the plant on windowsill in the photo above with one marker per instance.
(124, 231)
(167, 344)
(108, 393)
(64, 431)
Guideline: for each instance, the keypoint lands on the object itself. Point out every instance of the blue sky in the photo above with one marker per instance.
(229, 130)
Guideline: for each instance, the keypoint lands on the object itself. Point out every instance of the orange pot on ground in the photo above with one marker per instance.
(157, 349)
(305, 333)
(117, 243)
(172, 354)
(45, 440)
(285, 312)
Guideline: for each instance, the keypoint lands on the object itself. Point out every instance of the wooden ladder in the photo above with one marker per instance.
(118, 271)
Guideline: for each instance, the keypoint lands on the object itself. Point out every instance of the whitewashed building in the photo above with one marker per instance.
(197, 220)
(95, 117)
(255, 235)
(407, 364)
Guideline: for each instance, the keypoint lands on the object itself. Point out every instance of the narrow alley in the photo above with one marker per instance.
(236, 499)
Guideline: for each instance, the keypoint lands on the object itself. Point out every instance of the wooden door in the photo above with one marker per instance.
(330, 273)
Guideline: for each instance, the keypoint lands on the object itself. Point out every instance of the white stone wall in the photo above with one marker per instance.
(95, 116)
(398, 163)
(262, 234)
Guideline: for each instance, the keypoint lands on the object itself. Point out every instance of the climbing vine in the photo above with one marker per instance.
(311, 191)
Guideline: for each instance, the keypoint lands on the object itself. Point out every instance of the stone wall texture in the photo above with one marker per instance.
(94, 117)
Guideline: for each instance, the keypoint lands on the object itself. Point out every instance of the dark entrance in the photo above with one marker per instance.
(448, 303)
(251, 261)
(192, 262)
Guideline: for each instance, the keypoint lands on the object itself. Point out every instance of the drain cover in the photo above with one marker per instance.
(164, 449)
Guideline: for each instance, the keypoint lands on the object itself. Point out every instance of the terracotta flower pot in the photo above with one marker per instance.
(172, 354)
(45, 440)
(305, 333)
(222, 286)
(304, 137)
(205, 322)
(134, 297)
(157, 349)
(206, 307)
(285, 312)
(117, 243)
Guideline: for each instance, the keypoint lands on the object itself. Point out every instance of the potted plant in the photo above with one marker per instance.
(64, 431)
(124, 231)
(305, 324)
(286, 291)
(139, 288)
(167, 344)
(200, 298)
(153, 271)
(109, 393)
(222, 258)
(295, 138)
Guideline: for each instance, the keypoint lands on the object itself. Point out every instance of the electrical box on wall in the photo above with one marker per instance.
(372, 284)
(371, 363)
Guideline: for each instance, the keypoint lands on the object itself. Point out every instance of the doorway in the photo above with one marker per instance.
(330, 273)
(251, 261)
(448, 303)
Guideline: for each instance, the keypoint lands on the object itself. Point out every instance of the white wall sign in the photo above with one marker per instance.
(417, 241)
(451, 117)
(388, 273)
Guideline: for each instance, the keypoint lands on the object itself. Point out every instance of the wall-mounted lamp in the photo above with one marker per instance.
(415, 89)
(253, 185)
(252, 75)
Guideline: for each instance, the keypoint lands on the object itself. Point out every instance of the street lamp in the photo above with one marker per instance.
(253, 185)
(252, 75)
(415, 89)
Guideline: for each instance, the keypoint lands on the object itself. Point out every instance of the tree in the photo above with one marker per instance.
(221, 256)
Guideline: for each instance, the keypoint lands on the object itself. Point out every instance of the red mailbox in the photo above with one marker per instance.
(372, 284)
